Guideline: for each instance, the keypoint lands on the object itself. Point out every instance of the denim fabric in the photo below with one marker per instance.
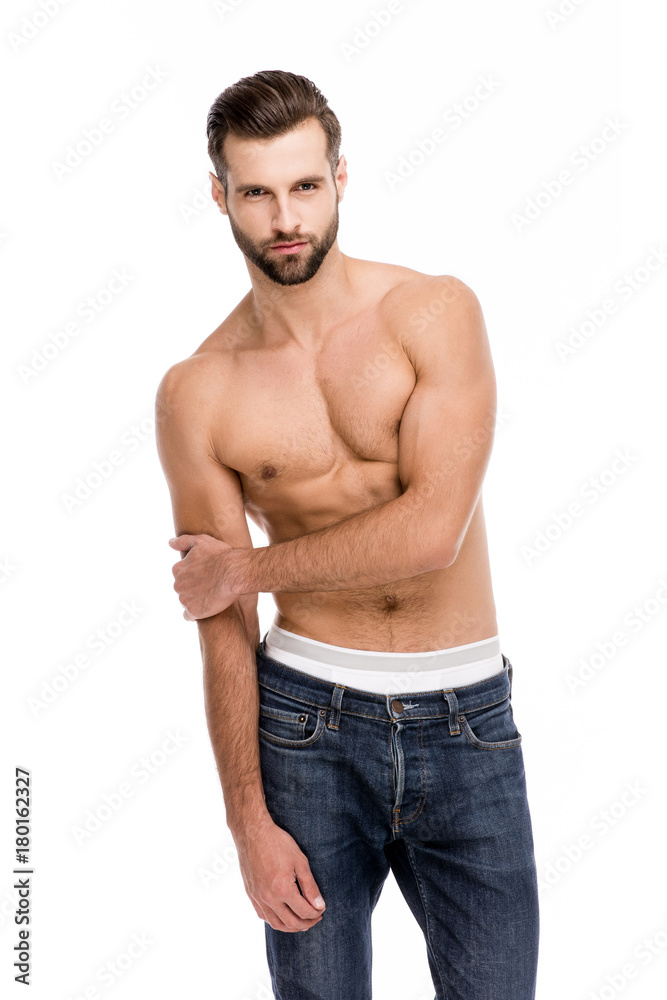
(430, 785)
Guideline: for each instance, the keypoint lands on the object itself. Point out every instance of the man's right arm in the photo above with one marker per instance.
(206, 498)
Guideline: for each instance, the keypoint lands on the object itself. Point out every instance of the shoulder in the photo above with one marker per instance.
(209, 366)
(424, 302)
(412, 295)
(439, 324)
(191, 389)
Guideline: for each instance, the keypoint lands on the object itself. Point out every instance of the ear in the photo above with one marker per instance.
(218, 193)
(341, 177)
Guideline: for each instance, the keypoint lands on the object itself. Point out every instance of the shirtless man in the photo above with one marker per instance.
(348, 407)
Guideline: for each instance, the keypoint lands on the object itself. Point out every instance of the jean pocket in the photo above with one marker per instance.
(491, 727)
(287, 721)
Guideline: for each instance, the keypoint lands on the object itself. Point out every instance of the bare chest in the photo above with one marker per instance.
(326, 422)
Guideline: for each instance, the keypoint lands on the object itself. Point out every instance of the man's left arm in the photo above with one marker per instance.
(445, 441)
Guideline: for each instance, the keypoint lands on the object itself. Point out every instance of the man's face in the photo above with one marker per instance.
(281, 191)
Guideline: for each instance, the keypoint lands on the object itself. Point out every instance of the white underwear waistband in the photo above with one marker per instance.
(386, 673)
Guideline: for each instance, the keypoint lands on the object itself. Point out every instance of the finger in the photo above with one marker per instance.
(300, 906)
(287, 919)
(183, 542)
(307, 883)
(258, 910)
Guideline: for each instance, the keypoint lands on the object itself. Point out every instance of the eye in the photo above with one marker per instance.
(253, 192)
(308, 184)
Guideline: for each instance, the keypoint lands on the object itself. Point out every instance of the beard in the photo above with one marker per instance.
(287, 269)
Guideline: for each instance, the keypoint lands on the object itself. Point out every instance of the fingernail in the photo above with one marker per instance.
(319, 902)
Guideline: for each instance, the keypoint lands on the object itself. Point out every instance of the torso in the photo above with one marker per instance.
(313, 437)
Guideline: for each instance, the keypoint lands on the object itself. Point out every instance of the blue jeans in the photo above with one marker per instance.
(431, 786)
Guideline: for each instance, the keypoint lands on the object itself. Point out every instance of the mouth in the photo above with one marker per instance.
(287, 248)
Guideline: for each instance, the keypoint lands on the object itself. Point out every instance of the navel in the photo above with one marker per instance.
(390, 599)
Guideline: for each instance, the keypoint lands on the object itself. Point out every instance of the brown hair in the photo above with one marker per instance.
(267, 104)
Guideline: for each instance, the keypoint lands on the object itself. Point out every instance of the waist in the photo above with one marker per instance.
(382, 672)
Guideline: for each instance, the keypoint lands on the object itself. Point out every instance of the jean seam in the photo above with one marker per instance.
(427, 914)
(484, 744)
(294, 697)
(296, 744)
(376, 718)
(424, 774)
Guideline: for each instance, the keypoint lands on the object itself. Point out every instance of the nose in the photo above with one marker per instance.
(285, 218)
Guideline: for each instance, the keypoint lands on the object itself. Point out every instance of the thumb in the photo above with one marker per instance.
(183, 542)
(307, 883)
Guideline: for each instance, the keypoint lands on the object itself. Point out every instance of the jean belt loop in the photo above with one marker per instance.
(336, 698)
(509, 674)
(453, 702)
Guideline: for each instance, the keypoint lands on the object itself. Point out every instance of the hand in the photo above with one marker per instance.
(271, 862)
(201, 578)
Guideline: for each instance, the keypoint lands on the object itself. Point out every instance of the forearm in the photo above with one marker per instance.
(231, 696)
(393, 541)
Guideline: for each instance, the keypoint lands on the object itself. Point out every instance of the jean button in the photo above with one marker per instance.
(397, 705)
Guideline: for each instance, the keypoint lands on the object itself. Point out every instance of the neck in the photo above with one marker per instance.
(303, 313)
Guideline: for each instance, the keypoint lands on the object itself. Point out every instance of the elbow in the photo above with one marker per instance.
(431, 542)
(440, 553)
(450, 556)
(447, 555)
(450, 547)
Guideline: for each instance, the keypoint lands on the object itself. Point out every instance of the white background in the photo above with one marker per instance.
(140, 202)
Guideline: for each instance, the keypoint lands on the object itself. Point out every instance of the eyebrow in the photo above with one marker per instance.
(315, 179)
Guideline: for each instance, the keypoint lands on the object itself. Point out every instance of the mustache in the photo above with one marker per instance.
(288, 239)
